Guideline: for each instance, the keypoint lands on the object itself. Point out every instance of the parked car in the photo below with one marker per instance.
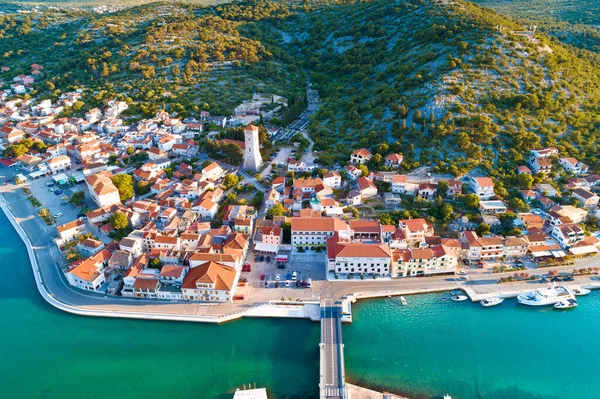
(294, 275)
(303, 284)
(262, 277)
(58, 192)
(57, 215)
(277, 277)
(287, 284)
(308, 283)
(461, 272)
(281, 266)
(268, 258)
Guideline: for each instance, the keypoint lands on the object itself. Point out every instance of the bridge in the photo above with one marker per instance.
(333, 379)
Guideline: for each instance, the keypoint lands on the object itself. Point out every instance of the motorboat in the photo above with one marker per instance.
(447, 397)
(566, 304)
(491, 301)
(403, 301)
(546, 296)
(581, 291)
(459, 298)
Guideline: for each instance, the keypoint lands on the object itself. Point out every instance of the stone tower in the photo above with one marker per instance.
(252, 159)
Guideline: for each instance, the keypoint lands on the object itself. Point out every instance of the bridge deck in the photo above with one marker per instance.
(333, 380)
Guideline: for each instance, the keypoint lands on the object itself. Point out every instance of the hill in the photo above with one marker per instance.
(574, 22)
(451, 84)
(446, 83)
(187, 56)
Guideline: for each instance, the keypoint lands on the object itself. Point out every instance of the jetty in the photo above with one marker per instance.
(332, 375)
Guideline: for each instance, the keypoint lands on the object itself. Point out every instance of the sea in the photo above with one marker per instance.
(424, 350)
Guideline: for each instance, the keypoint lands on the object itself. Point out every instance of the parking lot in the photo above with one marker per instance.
(266, 273)
(57, 203)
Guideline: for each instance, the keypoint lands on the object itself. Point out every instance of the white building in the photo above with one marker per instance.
(358, 257)
(210, 282)
(102, 190)
(313, 231)
(483, 187)
(574, 166)
(59, 164)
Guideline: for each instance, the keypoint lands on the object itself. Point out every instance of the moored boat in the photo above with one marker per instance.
(566, 304)
(546, 296)
(581, 291)
(403, 301)
(491, 301)
(459, 298)
(456, 292)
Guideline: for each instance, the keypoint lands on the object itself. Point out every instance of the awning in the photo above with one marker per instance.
(60, 178)
(269, 248)
(36, 174)
(583, 250)
(558, 254)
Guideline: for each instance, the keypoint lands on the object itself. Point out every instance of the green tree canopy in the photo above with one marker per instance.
(124, 183)
(119, 220)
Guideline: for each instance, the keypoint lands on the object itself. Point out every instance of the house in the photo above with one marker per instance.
(71, 230)
(333, 179)
(415, 230)
(278, 184)
(89, 247)
(541, 165)
(354, 198)
(102, 190)
(206, 207)
(353, 172)
(357, 257)
(573, 166)
(89, 273)
(546, 190)
(566, 214)
(210, 282)
(423, 261)
(528, 195)
(400, 185)
(427, 191)
(523, 170)
(529, 221)
(567, 234)
(586, 198)
(543, 153)
(367, 187)
(454, 188)
(484, 248)
(173, 275)
(145, 287)
(131, 245)
(307, 185)
(314, 231)
(489, 207)
(59, 164)
(366, 230)
(121, 260)
(360, 156)
(393, 160)
(483, 187)
(212, 171)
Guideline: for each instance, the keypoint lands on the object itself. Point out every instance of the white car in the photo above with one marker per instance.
(287, 284)
(294, 275)
(277, 278)
(462, 272)
(57, 215)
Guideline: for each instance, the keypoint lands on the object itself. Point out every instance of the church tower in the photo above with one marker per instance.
(252, 159)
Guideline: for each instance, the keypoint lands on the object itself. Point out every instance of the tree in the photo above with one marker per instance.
(119, 220)
(77, 198)
(518, 205)
(363, 169)
(446, 212)
(276, 210)
(442, 187)
(386, 219)
(471, 201)
(143, 187)
(525, 181)
(231, 180)
(124, 183)
(156, 263)
(483, 229)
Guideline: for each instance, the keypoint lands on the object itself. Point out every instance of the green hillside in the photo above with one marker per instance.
(146, 52)
(575, 22)
(446, 83)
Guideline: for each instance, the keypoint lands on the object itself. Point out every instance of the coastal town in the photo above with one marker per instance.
(161, 210)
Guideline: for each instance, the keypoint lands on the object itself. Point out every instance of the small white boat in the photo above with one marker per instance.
(403, 301)
(491, 301)
(566, 304)
(447, 397)
(459, 298)
(581, 291)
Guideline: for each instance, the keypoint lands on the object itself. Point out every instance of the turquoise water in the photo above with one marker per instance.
(425, 349)
(431, 348)
(46, 353)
